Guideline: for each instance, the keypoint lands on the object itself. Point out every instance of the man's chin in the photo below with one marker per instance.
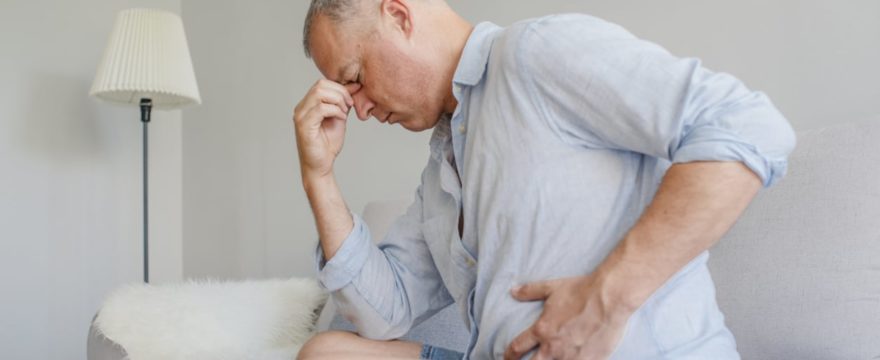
(416, 125)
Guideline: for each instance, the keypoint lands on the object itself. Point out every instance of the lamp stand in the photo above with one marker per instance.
(146, 107)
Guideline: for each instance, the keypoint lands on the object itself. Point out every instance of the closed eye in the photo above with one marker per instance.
(357, 80)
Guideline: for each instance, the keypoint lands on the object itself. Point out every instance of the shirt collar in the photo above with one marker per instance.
(475, 55)
(469, 72)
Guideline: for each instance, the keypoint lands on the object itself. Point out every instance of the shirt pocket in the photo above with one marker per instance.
(456, 265)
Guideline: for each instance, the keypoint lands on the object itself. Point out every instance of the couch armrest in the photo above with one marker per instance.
(99, 347)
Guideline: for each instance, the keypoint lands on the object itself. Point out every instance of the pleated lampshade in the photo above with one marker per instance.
(147, 57)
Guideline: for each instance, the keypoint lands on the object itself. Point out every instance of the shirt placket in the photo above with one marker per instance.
(455, 162)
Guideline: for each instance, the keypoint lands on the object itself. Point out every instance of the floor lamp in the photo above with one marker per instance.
(147, 63)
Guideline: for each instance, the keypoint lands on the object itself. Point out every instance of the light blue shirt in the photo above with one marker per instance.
(564, 129)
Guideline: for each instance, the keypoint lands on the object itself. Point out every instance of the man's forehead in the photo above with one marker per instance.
(331, 53)
(335, 69)
(333, 65)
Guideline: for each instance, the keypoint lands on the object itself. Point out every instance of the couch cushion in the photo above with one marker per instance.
(798, 276)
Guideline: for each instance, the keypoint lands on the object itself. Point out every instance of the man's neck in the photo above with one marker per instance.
(455, 33)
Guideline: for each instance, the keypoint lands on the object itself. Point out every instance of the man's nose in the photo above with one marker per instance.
(363, 106)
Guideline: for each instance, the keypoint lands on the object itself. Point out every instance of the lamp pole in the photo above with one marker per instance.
(146, 107)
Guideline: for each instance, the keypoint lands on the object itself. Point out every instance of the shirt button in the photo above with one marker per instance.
(470, 263)
(461, 129)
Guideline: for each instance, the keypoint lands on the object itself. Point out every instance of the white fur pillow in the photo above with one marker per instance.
(266, 319)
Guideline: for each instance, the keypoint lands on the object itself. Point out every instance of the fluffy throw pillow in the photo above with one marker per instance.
(266, 319)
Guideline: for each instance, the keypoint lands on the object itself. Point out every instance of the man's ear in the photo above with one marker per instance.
(399, 13)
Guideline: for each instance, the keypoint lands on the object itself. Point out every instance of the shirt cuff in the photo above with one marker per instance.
(723, 145)
(348, 261)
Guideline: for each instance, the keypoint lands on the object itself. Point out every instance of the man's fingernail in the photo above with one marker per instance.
(516, 289)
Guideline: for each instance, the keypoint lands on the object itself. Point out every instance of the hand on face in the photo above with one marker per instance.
(319, 120)
(577, 323)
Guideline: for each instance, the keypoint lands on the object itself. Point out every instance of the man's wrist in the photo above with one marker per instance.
(314, 181)
(627, 281)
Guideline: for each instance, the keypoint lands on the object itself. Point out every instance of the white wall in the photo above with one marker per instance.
(70, 179)
(244, 209)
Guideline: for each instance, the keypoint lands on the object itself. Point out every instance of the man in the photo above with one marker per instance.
(577, 177)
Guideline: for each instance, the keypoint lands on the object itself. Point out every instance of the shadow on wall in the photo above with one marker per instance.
(61, 121)
(82, 157)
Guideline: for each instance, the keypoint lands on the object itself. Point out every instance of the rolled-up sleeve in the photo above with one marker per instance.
(384, 289)
(601, 87)
(348, 261)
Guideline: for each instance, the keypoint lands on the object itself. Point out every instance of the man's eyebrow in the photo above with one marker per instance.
(340, 78)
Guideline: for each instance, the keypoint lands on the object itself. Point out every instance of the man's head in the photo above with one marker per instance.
(397, 57)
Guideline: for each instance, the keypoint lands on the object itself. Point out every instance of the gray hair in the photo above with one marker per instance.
(337, 10)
